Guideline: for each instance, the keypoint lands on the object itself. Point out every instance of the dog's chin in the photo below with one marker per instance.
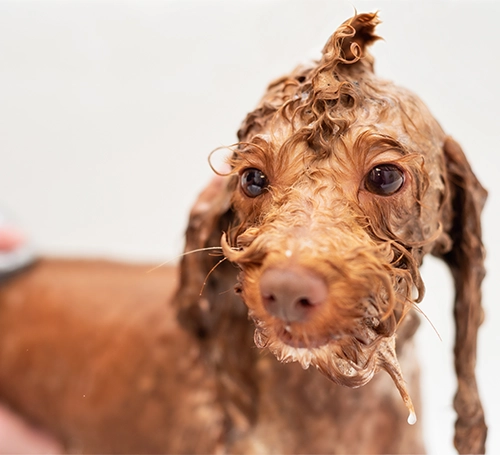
(327, 353)
(350, 361)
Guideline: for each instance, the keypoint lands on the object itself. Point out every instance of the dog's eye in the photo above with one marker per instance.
(253, 182)
(384, 179)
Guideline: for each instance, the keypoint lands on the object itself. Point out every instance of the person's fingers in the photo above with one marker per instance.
(18, 437)
(10, 238)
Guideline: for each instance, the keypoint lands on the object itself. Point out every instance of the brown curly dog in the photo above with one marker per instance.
(338, 187)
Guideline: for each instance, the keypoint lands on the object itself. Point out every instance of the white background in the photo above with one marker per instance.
(108, 111)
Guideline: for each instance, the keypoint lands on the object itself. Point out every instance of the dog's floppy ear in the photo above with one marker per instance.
(210, 216)
(466, 198)
(209, 306)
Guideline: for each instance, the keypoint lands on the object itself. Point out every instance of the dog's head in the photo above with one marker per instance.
(339, 186)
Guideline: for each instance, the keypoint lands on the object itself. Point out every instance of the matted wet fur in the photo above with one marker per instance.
(340, 184)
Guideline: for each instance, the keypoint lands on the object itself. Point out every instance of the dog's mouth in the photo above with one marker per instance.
(291, 337)
(347, 360)
(277, 334)
(298, 336)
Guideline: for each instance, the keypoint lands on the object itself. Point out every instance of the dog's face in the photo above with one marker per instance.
(338, 194)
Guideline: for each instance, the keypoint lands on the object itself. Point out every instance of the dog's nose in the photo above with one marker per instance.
(292, 294)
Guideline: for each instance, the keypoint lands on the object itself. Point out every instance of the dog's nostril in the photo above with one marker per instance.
(305, 302)
(269, 297)
(292, 294)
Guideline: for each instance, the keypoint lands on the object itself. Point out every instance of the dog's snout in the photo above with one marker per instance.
(292, 294)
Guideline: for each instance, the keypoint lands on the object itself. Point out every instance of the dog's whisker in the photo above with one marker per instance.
(226, 291)
(199, 250)
(419, 310)
(209, 273)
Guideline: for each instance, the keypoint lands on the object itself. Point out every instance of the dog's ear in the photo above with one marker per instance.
(209, 306)
(210, 216)
(465, 201)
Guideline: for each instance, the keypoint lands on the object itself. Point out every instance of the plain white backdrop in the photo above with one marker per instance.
(109, 109)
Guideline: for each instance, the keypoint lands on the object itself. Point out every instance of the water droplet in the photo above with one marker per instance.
(412, 418)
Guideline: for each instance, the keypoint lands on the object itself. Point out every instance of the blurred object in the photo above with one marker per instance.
(16, 252)
(17, 436)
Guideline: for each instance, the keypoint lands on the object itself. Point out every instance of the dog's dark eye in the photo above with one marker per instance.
(384, 179)
(253, 182)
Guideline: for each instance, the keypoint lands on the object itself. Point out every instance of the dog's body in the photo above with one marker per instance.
(340, 184)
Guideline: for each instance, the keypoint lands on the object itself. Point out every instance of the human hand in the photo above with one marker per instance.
(10, 238)
(19, 437)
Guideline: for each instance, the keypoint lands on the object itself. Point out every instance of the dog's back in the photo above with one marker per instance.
(92, 351)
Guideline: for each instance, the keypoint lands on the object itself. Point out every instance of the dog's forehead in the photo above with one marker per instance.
(391, 119)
